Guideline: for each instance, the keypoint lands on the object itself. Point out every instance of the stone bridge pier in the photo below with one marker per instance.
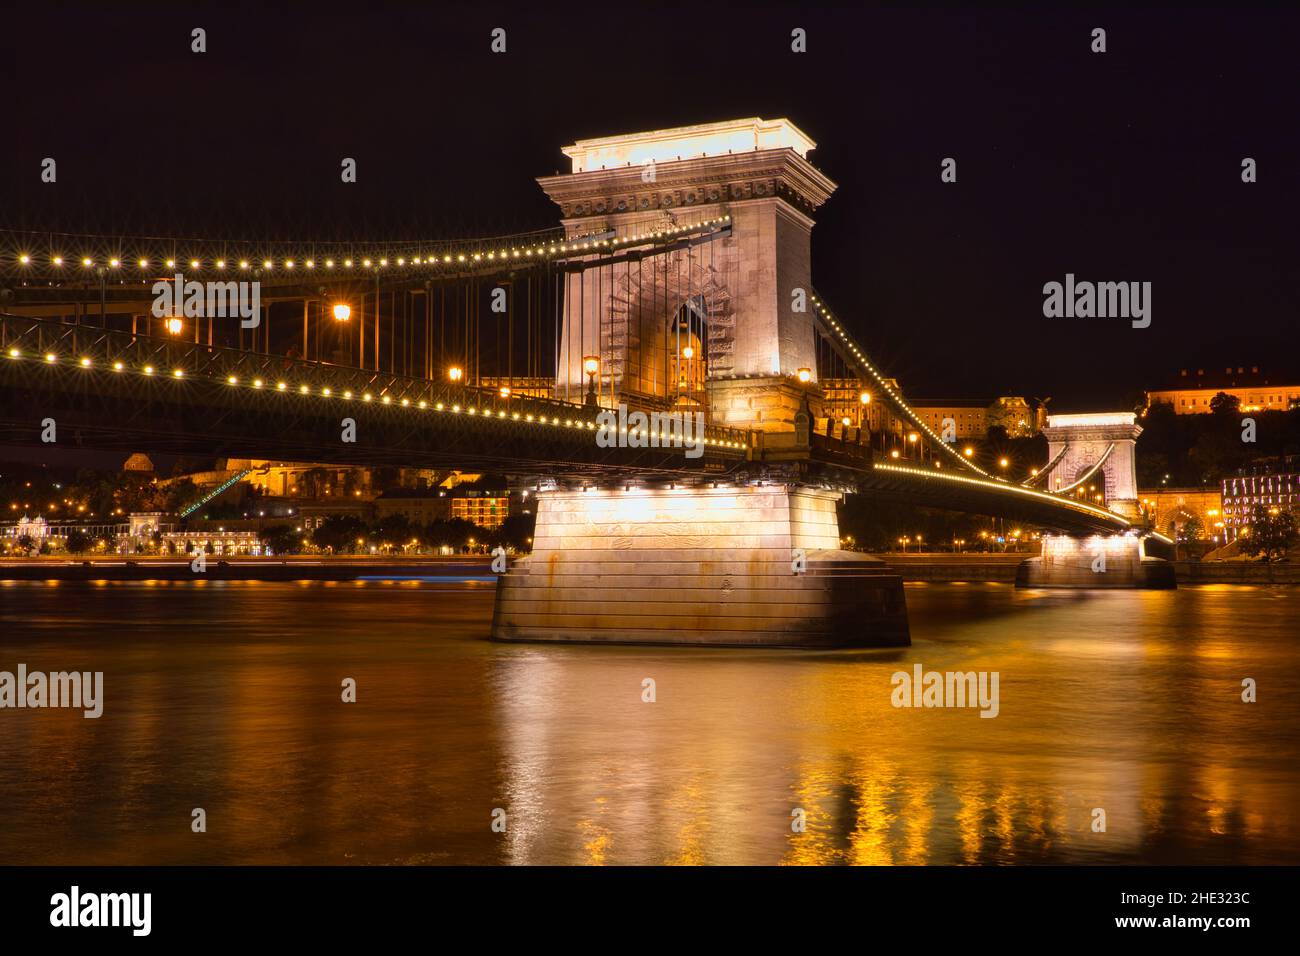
(1095, 456)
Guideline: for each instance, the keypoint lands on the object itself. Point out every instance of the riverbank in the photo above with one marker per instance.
(935, 568)
(289, 568)
(939, 568)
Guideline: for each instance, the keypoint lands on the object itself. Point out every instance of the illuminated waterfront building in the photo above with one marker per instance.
(1256, 390)
(1271, 482)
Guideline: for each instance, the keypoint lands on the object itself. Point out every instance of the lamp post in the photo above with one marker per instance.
(342, 313)
(591, 365)
(455, 373)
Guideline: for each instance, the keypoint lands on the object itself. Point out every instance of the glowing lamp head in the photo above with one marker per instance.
(845, 421)
(342, 312)
(864, 398)
(505, 391)
(913, 438)
(688, 352)
(455, 373)
(805, 375)
(591, 364)
(175, 325)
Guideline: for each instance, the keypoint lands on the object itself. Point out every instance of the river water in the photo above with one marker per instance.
(227, 697)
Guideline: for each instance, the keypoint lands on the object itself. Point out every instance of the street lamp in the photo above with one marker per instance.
(342, 312)
(455, 373)
(175, 325)
(591, 365)
(505, 391)
(805, 375)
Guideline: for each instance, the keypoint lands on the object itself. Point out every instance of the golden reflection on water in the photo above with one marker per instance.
(227, 697)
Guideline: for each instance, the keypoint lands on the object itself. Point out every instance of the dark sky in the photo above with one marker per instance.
(1119, 166)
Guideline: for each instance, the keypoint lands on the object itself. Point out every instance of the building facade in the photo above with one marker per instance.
(1191, 392)
(1271, 482)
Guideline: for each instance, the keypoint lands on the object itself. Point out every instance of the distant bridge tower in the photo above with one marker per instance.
(1098, 449)
(734, 302)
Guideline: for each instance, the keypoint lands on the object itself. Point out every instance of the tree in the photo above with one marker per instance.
(278, 538)
(515, 532)
(339, 533)
(1189, 532)
(393, 530)
(77, 541)
(25, 543)
(1225, 404)
(1270, 533)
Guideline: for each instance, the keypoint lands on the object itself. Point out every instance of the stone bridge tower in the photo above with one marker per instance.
(1085, 440)
(735, 297)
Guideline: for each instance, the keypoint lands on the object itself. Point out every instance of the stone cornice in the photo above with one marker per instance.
(1101, 433)
(685, 184)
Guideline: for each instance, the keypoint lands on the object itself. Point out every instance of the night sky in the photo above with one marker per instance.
(1123, 166)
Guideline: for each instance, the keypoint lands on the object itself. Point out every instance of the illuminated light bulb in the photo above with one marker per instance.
(310, 263)
(85, 363)
(148, 370)
(221, 263)
(58, 260)
(325, 392)
(87, 262)
(329, 263)
(257, 383)
(288, 263)
(505, 391)
(231, 380)
(143, 263)
(342, 312)
(50, 357)
(24, 259)
(266, 263)
(282, 385)
(194, 263)
(118, 366)
(178, 373)
(13, 353)
(303, 389)
(455, 373)
(805, 375)
(348, 393)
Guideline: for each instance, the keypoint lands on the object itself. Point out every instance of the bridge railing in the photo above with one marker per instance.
(24, 338)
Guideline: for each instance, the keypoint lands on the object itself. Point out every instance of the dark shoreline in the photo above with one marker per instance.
(247, 569)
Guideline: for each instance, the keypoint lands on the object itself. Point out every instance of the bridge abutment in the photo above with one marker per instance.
(730, 565)
(1100, 561)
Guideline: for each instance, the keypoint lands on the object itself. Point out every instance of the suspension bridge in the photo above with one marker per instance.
(676, 290)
